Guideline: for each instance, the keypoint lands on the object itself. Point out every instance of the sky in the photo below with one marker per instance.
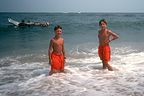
(72, 6)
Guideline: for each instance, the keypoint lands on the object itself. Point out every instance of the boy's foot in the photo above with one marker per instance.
(104, 66)
(63, 71)
(50, 73)
(110, 69)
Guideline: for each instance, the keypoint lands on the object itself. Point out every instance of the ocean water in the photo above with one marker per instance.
(24, 64)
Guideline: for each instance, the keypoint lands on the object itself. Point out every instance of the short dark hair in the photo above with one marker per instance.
(57, 27)
(102, 20)
(22, 21)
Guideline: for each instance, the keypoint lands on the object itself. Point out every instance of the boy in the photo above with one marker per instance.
(105, 37)
(56, 52)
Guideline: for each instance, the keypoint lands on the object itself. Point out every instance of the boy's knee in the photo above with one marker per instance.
(105, 61)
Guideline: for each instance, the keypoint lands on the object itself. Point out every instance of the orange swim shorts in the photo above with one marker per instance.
(104, 52)
(57, 62)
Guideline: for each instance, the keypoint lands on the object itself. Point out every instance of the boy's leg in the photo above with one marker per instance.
(63, 71)
(104, 65)
(54, 71)
(108, 66)
(51, 72)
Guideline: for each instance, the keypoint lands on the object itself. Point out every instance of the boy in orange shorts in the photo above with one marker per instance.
(56, 52)
(105, 37)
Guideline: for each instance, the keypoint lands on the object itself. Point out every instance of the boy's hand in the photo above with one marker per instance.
(50, 62)
(107, 41)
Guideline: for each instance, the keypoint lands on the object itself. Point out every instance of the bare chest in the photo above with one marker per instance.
(58, 42)
(103, 35)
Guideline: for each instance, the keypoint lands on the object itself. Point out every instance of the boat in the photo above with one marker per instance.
(16, 23)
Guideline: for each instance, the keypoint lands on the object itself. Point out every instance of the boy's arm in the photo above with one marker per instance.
(114, 35)
(63, 50)
(98, 33)
(50, 51)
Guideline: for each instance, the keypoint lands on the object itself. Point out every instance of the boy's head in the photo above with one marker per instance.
(103, 23)
(22, 21)
(58, 30)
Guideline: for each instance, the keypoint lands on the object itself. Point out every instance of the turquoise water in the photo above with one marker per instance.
(24, 64)
(77, 29)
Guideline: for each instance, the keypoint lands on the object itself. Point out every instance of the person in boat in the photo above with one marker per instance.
(22, 23)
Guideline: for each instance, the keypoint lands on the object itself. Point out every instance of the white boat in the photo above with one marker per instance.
(13, 21)
(27, 23)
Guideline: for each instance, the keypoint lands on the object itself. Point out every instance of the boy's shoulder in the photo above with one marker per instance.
(62, 39)
(109, 31)
(53, 38)
(99, 31)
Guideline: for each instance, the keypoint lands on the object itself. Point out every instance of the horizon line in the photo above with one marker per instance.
(65, 12)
